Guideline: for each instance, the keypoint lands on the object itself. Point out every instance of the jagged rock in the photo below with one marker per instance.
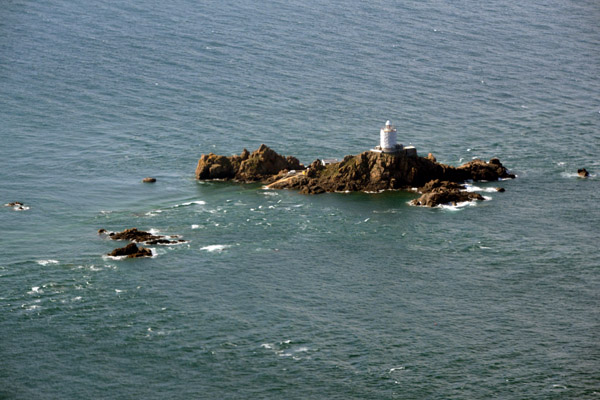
(149, 180)
(582, 172)
(139, 237)
(259, 165)
(493, 170)
(431, 157)
(438, 192)
(131, 251)
(500, 189)
(368, 171)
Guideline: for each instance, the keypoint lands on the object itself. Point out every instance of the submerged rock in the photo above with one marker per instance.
(582, 172)
(137, 236)
(131, 251)
(437, 192)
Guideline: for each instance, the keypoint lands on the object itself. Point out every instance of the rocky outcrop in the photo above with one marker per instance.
(260, 165)
(582, 172)
(437, 192)
(131, 251)
(368, 171)
(136, 236)
(373, 172)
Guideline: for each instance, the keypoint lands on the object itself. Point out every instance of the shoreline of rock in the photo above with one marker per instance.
(367, 172)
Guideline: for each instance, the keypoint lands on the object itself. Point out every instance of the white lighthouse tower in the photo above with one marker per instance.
(387, 138)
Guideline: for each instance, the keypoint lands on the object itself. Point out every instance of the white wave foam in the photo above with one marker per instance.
(35, 289)
(396, 369)
(266, 346)
(458, 206)
(195, 226)
(107, 257)
(215, 247)
(153, 213)
(473, 188)
(189, 203)
(46, 262)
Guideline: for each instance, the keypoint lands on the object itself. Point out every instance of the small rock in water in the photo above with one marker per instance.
(140, 237)
(149, 180)
(582, 172)
(500, 189)
(17, 206)
(131, 251)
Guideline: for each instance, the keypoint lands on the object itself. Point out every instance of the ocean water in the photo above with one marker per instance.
(281, 295)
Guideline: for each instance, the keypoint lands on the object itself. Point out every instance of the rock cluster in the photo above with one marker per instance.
(259, 165)
(368, 171)
(136, 236)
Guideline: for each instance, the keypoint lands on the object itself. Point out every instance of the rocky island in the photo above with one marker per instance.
(384, 168)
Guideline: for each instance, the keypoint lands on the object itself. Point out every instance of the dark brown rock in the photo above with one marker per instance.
(368, 171)
(438, 192)
(134, 235)
(500, 189)
(131, 251)
(149, 180)
(259, 165)
(582, 172)
(14, 204)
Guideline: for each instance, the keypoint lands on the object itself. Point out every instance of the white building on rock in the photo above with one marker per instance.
(388, 142)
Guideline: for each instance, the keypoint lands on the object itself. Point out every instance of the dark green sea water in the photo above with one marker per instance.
(281, 295)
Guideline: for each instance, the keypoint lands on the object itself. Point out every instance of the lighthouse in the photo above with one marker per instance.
(388, 142)
(387, 138)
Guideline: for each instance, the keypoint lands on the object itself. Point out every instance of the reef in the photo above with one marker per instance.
(369, 171)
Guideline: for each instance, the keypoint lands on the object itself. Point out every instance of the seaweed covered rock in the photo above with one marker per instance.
(260, 165)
